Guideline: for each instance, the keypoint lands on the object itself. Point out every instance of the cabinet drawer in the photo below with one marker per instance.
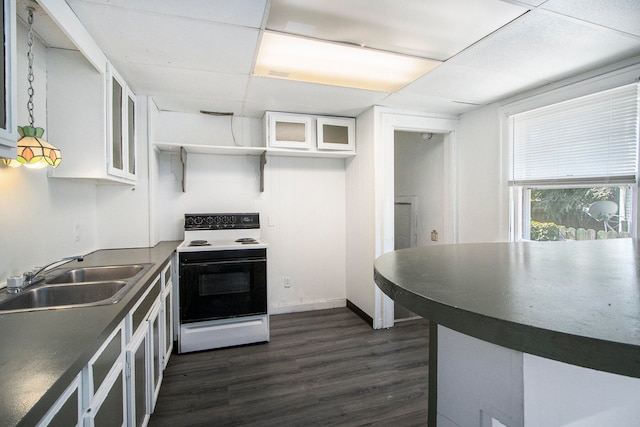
(141, 311)
(104, 359)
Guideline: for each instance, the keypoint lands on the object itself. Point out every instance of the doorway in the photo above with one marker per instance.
(419, 194)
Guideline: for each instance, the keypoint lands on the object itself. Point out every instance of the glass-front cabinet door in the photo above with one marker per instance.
(132, 158)
(336, 133)
(289, 130)
(8, 105)
(116, 164)
(122, 141)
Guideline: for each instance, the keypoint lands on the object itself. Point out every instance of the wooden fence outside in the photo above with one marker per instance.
(570, 233)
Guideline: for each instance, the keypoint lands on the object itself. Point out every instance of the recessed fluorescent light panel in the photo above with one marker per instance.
(308, 60)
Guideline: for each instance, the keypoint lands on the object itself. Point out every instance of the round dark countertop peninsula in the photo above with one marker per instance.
(575, 302)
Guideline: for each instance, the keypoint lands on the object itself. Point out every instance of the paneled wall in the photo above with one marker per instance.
(302, 208)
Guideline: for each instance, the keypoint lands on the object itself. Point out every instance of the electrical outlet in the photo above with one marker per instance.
(434, 236)
(287, 282)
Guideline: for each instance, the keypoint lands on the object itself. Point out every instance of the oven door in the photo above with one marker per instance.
(222, 284)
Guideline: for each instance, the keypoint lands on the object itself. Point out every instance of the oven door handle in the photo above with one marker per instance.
(225, 262)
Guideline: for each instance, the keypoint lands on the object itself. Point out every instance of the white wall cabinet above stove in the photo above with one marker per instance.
(290, 134)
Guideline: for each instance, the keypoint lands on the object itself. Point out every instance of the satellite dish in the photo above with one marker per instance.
(603, 211)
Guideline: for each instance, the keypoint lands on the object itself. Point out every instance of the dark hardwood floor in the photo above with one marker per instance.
(322, 367)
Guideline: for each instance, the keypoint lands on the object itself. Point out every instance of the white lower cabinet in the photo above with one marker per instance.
(168, 323)
(139, 378)
(120, 384)
(104, 379)
(143, 320)
(109, 406)
(67, 411)
(156, 332)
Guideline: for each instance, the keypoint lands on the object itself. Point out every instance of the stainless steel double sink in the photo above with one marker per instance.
(78, 287)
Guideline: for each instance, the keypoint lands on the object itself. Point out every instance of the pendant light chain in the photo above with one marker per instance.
(30, 61)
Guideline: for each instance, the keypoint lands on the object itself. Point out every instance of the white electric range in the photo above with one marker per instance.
(222, 282)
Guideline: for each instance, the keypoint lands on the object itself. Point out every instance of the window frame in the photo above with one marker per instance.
(521, 207)
(542, 98)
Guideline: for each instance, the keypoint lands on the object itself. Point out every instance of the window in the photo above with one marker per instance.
(573, 168)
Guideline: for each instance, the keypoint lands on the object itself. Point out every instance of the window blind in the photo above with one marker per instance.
(588, 140)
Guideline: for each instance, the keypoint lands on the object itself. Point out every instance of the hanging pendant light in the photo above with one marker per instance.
(33, 150)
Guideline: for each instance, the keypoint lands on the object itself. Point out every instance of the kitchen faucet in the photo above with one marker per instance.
(31, 277)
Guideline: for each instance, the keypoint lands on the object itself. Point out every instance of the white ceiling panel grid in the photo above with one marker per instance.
(193, 55)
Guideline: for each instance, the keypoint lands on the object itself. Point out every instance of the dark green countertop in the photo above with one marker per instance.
(43, 351)
(576, 302)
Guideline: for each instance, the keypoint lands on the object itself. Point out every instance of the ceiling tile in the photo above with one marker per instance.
(543, 46)
(147, 38)
(428, 104)
(623, 15)
(193, 55)
(157, 80)
(283, 95)
(247, 13)
(435, 29)
(463, 83)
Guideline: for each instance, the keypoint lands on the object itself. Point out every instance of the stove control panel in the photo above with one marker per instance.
(217, 221)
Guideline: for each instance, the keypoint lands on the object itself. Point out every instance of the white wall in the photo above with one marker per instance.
(419, 171)
(483, 194)
(360, 220)
(302, 209)
(38, 215)
(122, 214)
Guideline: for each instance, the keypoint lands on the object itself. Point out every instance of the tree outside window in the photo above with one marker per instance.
(563, 213)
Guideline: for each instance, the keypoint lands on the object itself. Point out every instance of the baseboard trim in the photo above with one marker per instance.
(361, 314)
(322, 305)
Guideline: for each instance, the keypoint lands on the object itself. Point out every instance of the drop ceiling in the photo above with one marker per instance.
(197, 55)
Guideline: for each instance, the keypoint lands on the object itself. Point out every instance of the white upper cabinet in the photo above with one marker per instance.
(8, 104)
(289, 131)
(91, 115)
(121, 103)
(336, 133)
(290, 134)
